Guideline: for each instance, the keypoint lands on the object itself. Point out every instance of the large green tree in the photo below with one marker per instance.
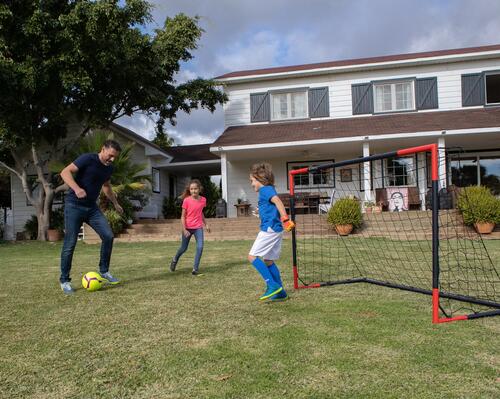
(91, 62)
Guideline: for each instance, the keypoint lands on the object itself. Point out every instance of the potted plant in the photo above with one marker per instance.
(368, 206)
(479, 208)
(56, 225)
(345, 215)
(377, 208)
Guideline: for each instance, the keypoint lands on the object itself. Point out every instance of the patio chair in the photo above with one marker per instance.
(325, 206)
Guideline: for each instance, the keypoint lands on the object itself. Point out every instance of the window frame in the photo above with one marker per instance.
(386, 173)
(307, 164)
(153, 182)
(289, 92)
(485, 74)
(393, 83)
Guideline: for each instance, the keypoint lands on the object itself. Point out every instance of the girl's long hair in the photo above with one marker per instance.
(186, 193)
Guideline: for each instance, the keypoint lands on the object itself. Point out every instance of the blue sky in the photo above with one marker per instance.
(259, 34)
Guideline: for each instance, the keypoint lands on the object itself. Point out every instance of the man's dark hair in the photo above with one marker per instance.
(112, 144)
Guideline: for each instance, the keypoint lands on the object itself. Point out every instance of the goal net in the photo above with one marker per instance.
(408, 233)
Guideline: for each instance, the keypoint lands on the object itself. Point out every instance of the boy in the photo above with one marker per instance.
(273, 219)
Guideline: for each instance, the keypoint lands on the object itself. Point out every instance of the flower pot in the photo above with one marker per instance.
(484, 227)
(377, 209)
(53, 235)
(343, 229)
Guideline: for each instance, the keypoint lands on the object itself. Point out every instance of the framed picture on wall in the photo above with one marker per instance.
(346, 175)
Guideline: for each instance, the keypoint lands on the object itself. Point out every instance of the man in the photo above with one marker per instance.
(92, 172)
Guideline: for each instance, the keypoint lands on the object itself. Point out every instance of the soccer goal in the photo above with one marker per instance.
(408, 231)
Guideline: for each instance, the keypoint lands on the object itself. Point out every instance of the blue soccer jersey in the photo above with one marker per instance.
(269, 215)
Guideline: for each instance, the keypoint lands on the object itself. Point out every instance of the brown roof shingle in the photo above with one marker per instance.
(359, 126)
(192, 153)
(359, 61)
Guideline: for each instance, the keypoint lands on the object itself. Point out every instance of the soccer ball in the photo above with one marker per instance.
(92, 281)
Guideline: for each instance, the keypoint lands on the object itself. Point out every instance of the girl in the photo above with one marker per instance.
(192, 221)
(273, 220)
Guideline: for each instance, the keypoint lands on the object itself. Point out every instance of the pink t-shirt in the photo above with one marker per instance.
(194, 211)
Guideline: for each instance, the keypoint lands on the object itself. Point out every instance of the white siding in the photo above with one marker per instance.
(239, 184)
(237, 109)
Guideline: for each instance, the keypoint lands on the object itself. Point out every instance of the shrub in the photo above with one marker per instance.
(172, 208)
(115, 220)
(31, 227)
(345, 211)
(478, 204)
(57, 219)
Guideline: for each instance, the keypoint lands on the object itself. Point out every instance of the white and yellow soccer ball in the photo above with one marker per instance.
(92, 281)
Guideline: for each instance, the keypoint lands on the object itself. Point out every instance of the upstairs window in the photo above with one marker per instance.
(292, 105)
(397, 96)
(492, 88)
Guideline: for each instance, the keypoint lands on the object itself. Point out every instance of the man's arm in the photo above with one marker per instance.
(67, 176)
(108, 191)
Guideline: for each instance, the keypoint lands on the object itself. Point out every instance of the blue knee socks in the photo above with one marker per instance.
(275, 273)
(265, 272)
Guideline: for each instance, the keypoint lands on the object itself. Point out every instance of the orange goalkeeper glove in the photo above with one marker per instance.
(288, 225)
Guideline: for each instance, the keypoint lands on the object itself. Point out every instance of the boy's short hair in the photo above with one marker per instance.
(112, 144)
(263, 173)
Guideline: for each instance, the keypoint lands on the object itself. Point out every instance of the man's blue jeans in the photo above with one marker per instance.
(74, 216)
(198, 234)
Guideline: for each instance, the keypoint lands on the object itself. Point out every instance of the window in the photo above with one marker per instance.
(476, 170)
(321, 178)
(291, 105)
(155, 180)
(493, 88)
(397, 96)
(400, 171)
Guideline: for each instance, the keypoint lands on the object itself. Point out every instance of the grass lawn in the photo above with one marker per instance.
(172, 335)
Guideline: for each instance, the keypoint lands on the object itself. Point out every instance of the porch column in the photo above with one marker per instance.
(223, 172)
(442, 162)
(366, 173)
(422, 178)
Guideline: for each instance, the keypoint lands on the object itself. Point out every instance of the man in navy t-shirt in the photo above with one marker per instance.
(91, 173)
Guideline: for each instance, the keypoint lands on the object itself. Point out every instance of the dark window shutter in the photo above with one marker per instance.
(319, 102)
(426, 93)
(260, 107)
(362, 98)
(472, 89)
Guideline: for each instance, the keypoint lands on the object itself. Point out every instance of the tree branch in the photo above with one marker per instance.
(10, 169)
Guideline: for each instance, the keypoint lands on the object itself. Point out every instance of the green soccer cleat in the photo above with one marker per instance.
(279, 297)
(271, 290)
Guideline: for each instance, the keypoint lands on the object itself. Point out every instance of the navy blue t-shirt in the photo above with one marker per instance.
(269, 215)
(91, 175)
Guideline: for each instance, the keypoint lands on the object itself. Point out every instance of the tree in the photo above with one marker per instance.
(90, 62)
(163, 141)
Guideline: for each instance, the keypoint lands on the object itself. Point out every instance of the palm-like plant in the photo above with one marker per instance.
(125, 180)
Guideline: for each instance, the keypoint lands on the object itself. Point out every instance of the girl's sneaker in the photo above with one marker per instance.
(173, 264)
(196, 273)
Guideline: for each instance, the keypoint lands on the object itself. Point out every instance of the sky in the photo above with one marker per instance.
(254, 34)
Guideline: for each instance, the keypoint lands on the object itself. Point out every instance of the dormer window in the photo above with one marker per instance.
(394, 96)
(289, 105)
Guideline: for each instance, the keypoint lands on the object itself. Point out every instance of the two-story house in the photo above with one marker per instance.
(301, 115)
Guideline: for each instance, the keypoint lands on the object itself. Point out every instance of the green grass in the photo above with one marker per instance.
(172, 335)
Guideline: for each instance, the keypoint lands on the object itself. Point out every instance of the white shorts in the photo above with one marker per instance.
(267, 245)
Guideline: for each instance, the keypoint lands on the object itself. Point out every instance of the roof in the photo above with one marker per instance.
(359, 126)
(136, 137)
(192, 153)
(359, 61)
